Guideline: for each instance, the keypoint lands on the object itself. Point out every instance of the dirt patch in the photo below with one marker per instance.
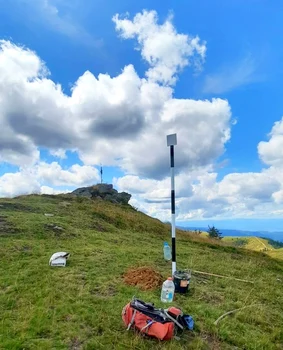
(145, 278)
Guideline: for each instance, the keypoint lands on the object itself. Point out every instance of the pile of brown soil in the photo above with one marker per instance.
(145, 278)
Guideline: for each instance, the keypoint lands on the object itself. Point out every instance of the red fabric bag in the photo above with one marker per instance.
(146, 325)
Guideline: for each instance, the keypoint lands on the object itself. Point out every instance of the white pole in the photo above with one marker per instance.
(171, 141)
(173, 227)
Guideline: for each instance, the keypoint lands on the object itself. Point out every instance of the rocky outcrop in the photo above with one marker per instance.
(103, 191)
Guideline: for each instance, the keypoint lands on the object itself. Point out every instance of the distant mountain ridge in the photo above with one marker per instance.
(276, 236)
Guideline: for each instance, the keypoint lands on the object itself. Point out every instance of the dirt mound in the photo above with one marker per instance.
(145, 278)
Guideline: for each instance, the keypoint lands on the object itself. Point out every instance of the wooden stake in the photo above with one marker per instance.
(221, 276)
(231, 312)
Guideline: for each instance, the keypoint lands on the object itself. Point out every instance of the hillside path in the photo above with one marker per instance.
(263, 244)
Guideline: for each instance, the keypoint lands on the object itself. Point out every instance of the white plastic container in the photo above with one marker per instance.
(59, 259)
(167, 251)
(168, 290)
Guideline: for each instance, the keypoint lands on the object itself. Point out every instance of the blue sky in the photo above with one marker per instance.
(221, 93)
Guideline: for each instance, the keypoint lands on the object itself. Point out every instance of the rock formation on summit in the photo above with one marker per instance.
(103, 191)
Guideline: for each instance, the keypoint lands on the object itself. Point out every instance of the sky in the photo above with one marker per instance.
(85, 84)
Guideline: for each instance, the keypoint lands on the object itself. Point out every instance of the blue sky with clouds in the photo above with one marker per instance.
(84, 83)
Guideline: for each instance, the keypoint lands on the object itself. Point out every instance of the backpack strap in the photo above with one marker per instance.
(147, 325)
(173, 319)
(132, 320)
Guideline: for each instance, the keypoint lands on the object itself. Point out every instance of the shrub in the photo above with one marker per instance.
(213, 232)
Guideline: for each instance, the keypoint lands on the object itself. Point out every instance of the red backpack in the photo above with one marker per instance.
(145, 318)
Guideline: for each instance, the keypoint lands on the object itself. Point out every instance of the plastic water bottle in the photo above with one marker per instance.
(167, 251)
(168, 289)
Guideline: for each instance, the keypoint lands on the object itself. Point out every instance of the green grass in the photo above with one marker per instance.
(257, 244)
(79, 307)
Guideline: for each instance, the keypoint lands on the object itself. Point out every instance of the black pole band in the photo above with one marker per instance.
(173, 202)
(173, 249)
(172, 156)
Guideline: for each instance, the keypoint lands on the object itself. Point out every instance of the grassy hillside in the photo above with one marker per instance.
(79, 307)
(256, 244)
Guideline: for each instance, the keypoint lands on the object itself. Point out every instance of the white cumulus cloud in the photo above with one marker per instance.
(47, 178)
(15, 184)
(271, 151)
(166, 51)
(111, 120)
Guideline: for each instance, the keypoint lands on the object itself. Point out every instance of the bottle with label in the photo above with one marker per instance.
(168, 289)
(167, 251)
